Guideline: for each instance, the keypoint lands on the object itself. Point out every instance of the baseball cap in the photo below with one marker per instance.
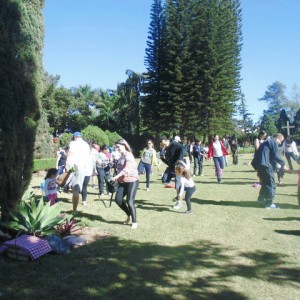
(177, 138)
(77, 134)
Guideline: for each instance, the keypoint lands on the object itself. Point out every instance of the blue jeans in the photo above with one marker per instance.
(219, 165)
(103, 177)
(168, 175)
(268, 186)
(198, 162)
(147, 167)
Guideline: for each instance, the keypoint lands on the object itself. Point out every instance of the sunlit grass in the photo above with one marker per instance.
(229, 248)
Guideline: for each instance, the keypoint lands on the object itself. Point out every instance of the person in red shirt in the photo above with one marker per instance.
(217, 151)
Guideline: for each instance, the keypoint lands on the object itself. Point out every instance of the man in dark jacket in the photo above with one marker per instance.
(264, 162)
(173, 151)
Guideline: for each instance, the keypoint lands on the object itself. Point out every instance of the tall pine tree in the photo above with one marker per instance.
(21, 40)
(154, 61)
(199, 76)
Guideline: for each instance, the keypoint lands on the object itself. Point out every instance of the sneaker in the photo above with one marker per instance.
(178, 205)
(147, 189)
(169, 185)
(188, 212)
(127, 221)
(134, 226)
(272, 206)
(84, 203)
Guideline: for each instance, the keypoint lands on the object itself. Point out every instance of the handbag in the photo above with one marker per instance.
(62, 179)
(112, 186)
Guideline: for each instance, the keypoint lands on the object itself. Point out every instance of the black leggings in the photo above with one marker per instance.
(127, 189)
(189, 191)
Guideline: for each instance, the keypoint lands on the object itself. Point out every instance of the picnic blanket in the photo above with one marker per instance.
(27, 247)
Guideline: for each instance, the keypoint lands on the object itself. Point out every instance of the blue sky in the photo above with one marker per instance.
(95, 41)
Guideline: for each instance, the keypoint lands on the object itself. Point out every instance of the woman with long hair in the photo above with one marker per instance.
(217, 151)
(128, 179)
(148, 159)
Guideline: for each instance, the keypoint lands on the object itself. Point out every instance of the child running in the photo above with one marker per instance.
(51, 186)
(186, 184)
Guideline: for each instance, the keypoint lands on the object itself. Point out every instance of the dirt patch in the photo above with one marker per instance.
(92, 234)
(39, 174)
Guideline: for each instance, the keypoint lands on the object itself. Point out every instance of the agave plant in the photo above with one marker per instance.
(35, 217)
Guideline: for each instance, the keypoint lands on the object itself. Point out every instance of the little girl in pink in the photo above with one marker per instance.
(51, 185)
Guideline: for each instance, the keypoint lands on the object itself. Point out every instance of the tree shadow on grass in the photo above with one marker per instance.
(65, 200)
(229, 181)
(292, 195)
(265, 266)
(289, 232)
(228, 203)
(283, 219)
(113, 268)
(242, 171)
(147, 205)
(254, 204)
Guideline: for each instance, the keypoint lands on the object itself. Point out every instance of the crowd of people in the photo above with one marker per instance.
(83, 161)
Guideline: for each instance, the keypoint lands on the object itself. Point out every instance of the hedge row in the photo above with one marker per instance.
(43, 164)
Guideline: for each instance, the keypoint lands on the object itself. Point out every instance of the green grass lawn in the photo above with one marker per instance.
(229, 248)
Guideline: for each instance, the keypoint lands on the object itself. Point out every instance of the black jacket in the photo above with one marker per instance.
(267, 155)
(174, 152)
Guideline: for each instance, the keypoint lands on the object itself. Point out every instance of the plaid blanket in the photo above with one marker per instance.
(35, 247)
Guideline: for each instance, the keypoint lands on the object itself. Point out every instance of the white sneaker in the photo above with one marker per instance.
(127, 221)
(134, 226)
(178, 205)
(84, 203)
(272, 206)
(147, 189)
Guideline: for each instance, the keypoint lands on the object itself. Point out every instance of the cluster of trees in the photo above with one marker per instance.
(190, 87)
(281, 109)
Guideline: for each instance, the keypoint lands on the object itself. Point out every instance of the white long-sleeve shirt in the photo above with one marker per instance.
(185, 183)
(289, 148)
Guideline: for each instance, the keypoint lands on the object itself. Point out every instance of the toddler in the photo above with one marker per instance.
(186, 184)
(50, 186)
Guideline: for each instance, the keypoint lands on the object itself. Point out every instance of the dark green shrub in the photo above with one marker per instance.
(112, 137)
(21, 40)
(65, 139)
(245, 150)
(95, 134)
(44, 146)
